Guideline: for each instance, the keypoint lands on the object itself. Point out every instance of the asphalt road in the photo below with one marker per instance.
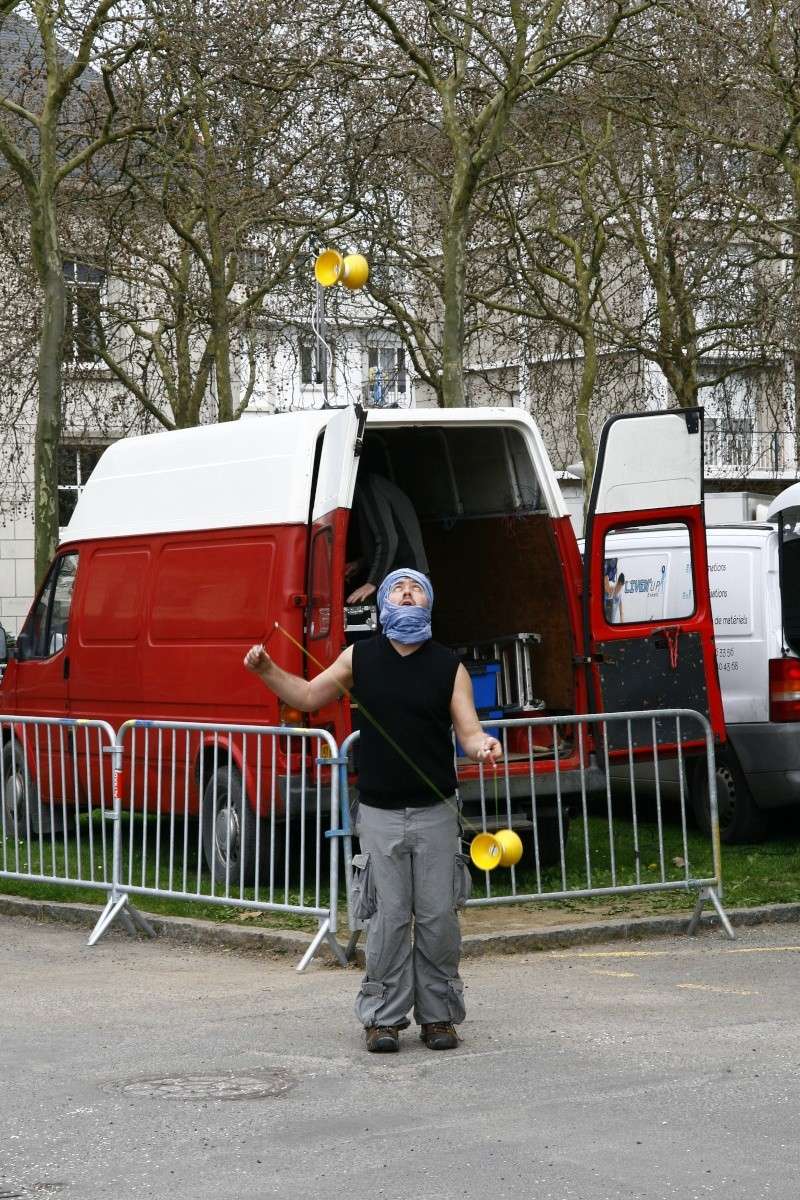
(653, 1070)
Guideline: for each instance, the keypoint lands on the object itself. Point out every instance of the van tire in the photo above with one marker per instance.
(740, 820)
(16, 777)
(549, 849)
(222, 840)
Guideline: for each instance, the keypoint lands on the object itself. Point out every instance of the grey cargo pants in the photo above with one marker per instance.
(410, 866)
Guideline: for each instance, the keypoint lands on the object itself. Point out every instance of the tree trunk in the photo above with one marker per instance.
(222, 355)
(583, 409)
(454, 269)
(218, 284)
(44, 236)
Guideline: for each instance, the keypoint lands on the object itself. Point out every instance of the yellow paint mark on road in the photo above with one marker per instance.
(617, 974)
(708, 987)
(612, 954)
(763, 950)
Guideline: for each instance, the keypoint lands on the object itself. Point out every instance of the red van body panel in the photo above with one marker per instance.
(206, 597)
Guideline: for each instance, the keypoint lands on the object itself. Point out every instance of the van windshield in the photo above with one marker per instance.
(790, 576)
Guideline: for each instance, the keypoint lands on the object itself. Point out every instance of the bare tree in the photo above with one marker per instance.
(48, 139)
(474, 65)
(247, 162)
(756, 126)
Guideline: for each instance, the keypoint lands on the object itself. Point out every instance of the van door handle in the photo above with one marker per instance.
(66, 666)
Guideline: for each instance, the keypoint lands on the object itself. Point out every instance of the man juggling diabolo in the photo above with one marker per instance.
(412, 692)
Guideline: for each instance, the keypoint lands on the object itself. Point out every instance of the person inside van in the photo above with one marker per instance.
(389, 534)
(412, 691)
(612, 601)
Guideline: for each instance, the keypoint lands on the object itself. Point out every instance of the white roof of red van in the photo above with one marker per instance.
(241, 473)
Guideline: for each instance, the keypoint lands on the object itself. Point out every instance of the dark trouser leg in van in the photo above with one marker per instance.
(413, 871)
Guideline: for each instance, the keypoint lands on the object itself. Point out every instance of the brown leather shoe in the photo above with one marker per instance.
(439, 1035)
(383, 1039)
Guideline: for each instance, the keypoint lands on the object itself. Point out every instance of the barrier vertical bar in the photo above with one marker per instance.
(714, 894)
(328, 926)
(118, 903)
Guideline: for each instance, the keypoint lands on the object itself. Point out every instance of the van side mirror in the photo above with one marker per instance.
(3, 645)
(23, 647)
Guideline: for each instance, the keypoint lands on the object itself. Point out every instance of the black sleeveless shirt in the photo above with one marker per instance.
(408, 696)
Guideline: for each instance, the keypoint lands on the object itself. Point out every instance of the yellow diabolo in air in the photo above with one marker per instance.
(331, 267)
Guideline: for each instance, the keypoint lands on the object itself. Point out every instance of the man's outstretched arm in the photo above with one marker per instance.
(308, 695)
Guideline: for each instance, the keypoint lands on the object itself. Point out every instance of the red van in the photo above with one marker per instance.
(187, 547)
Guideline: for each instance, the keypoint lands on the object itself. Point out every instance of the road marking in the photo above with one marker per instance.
(763, 950)
(612, 953)
(708, 987)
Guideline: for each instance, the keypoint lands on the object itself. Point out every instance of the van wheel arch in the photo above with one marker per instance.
(740, 819)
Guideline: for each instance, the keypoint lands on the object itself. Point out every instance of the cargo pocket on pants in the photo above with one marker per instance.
(455, 1000)
(462, 881)
(362, 889)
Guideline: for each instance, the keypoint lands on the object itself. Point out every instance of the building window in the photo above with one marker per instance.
(254, 264)
(75, 465)
(308, 364)
(307, 367)
(387, 380)
(82, 331)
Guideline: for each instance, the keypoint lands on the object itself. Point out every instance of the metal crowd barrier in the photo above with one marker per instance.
(540, 803)
(51, 810)
(143, 813)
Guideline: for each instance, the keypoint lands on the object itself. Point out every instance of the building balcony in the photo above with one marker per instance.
(387, 391)
(737, 451)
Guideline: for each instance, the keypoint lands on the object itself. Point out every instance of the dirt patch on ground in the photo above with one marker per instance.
(512, 917)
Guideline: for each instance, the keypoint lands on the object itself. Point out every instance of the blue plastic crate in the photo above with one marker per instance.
(484, 683)
(484, 687)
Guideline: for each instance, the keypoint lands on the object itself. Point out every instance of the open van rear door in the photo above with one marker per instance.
(331, 500)
(649, 629)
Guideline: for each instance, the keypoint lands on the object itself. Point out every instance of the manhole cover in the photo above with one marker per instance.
(252, 1085)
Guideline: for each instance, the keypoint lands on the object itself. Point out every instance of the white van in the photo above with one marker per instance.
(754, 577)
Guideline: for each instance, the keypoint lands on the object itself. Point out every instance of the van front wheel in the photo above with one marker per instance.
(739, 818)
(20, 799)
(230, 830)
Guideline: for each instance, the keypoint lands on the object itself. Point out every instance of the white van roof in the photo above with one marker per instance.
(207, 477)
(243, 473)
(788, 498)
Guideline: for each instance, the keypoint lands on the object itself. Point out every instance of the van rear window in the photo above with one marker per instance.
(212, 592)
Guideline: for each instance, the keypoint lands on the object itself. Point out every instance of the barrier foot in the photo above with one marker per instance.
(323, 934)
(130, 917)
(319, 938)
(710, 894)
(139, 920)
(339, 952)
(350, 948)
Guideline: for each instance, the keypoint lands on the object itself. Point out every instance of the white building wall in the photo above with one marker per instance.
(16, 571)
